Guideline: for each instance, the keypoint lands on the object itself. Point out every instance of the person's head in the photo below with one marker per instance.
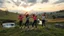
(43, 14)
(19, 15)
(33, 14)
(27, 15)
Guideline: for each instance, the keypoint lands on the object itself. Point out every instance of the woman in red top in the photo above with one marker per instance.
(20, 17)
(35, 20)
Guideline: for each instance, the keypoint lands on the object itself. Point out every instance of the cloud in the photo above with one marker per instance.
(44, 1)
(48, 7)
(1, 3)
(34, 5)
(59, 1)
(32, 1)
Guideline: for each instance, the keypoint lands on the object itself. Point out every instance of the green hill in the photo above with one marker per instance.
(8, 15)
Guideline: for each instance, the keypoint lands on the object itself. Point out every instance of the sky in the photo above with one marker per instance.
(31, 6)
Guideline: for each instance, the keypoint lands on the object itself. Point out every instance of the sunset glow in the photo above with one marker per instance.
(25, 6)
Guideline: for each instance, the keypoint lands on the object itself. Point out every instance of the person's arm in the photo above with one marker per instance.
(18, 17)
(45, 16)
(31, 16)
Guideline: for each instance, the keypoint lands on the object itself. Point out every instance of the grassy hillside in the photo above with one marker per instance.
(9, 15)
(14, 16)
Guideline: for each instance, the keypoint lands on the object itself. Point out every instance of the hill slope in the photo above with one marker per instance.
(8, 15)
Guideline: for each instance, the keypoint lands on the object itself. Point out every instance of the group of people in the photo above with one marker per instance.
(34, 17)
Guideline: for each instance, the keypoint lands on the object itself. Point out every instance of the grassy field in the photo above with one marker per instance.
(49, 30)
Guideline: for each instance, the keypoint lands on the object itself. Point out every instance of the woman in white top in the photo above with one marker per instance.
(43, 19)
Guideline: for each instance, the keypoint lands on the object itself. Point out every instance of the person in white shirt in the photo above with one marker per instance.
(43, 19)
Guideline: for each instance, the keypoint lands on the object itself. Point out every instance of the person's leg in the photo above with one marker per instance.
(42, 23)
(19, 23)
(28, 23)
(35, 23)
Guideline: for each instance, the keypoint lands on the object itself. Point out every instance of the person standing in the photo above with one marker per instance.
(27, 21)
(43, 19)
(20, 17)
(35, 21)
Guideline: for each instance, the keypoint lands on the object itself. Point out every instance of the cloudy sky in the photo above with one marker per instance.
(22, 6)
